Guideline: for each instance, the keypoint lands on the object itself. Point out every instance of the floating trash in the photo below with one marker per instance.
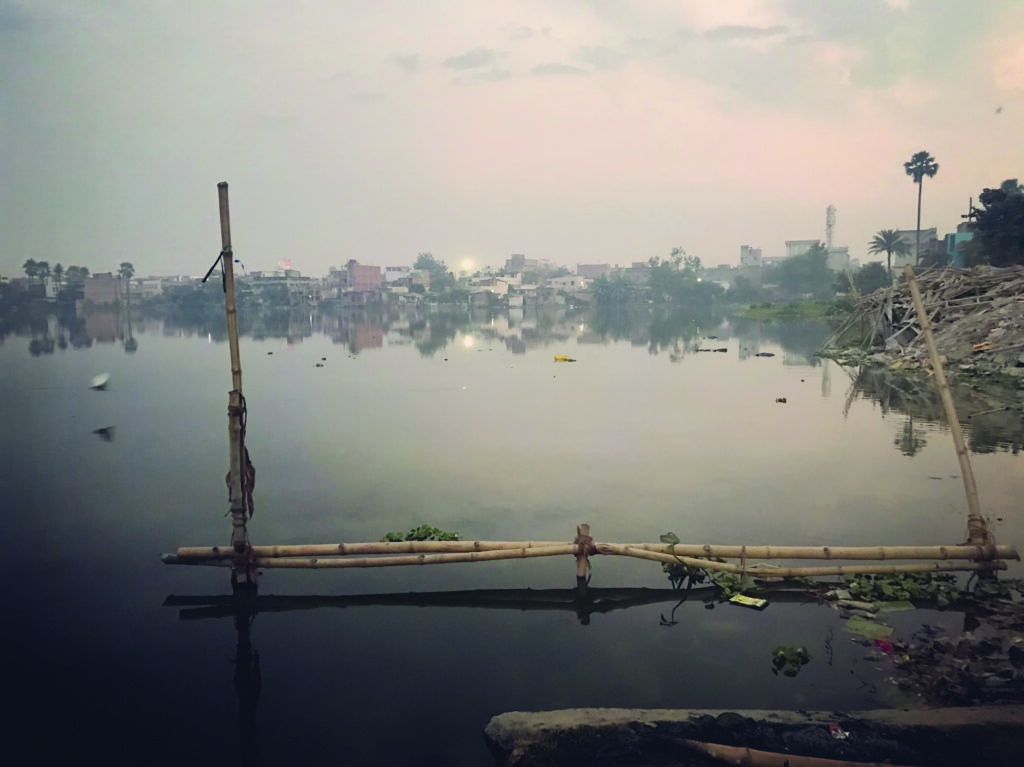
(99, 383)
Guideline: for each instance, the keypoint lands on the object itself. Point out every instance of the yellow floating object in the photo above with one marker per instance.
(563, 358)
(982, 347)
(757, 604)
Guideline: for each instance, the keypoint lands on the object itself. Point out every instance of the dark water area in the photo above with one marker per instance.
(462, 421)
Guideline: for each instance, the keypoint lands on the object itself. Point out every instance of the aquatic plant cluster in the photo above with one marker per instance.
(422, 533)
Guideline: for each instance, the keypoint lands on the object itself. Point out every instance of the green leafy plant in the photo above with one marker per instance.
(901, 587)
(789, 660)
(422, 533)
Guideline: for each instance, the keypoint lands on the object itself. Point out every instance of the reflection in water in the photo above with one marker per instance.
(990, 415)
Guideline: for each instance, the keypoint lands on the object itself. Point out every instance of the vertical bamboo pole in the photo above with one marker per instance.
(977, 532)
(239, 534)
(584, 548)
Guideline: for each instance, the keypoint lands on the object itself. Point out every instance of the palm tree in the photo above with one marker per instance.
(43, 273)
(888, 241)
(126, 271)
(920, 165)
(31, 267)
(58, 275)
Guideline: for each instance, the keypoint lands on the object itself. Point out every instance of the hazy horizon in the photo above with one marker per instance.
(581, 133)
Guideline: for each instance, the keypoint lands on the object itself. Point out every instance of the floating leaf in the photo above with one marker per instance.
(670, 538)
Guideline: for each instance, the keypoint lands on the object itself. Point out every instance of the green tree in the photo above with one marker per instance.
(888, 241)
(676, 278)
(999, 225)
(43, 272)
(920, 165)
(744, 290)
(426, 262)
(58, 275)
(31, 267)
(76, 277)
(615, 290)
(807, 273)
(871, 277)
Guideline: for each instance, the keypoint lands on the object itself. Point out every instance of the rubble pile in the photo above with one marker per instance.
(977, 318)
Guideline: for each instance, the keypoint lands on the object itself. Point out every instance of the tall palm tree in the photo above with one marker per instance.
(920, 165)
(126, 271)
(888, 241)
(58, 275)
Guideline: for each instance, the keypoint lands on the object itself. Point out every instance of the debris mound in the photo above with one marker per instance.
(977, 318)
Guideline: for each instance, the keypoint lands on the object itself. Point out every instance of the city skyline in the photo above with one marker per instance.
(579, 133)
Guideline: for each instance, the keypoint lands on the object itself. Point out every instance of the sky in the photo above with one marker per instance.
(581, 132)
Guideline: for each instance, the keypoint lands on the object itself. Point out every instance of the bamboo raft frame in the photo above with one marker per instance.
(697, 556)
(244, 559)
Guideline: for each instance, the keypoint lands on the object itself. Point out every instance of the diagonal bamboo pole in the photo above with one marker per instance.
(976, 529)
(789, 572)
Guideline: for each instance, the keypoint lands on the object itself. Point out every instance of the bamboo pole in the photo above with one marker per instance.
(882, 553)
(228, 262)
(239, 517)
(584, 548)
(385, 561)
(788, 572)
(976, 530)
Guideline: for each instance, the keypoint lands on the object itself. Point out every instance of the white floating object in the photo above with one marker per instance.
(100, 382)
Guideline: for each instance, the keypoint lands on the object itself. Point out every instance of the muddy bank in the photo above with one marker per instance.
(595, 737)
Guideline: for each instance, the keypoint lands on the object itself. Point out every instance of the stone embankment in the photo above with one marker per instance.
(688, 738)
(977, 317)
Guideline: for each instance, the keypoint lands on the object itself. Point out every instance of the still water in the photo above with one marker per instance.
(466, 423)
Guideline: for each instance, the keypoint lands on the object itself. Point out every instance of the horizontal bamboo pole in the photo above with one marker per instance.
(881, 553)
(372, 547)
(388, 561)
(788, 572)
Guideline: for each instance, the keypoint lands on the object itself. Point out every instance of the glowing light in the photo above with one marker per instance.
(467, 264)
(468, 341)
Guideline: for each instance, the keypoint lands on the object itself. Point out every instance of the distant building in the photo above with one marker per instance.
(799, 247)
(593, 271)
(909, 236)
(362, 278)
(750, 256)
(102, 288)
(517, 262)
(396, 273)
(955, 242)
(839, 259)
(568, 282)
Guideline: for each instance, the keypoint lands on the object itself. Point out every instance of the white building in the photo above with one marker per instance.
(568, 282)
(750, 256)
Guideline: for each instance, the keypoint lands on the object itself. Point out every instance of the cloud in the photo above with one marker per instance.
(478, 57)
(730, 32)
(557, 69)
(600, 57)
(410, 62)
